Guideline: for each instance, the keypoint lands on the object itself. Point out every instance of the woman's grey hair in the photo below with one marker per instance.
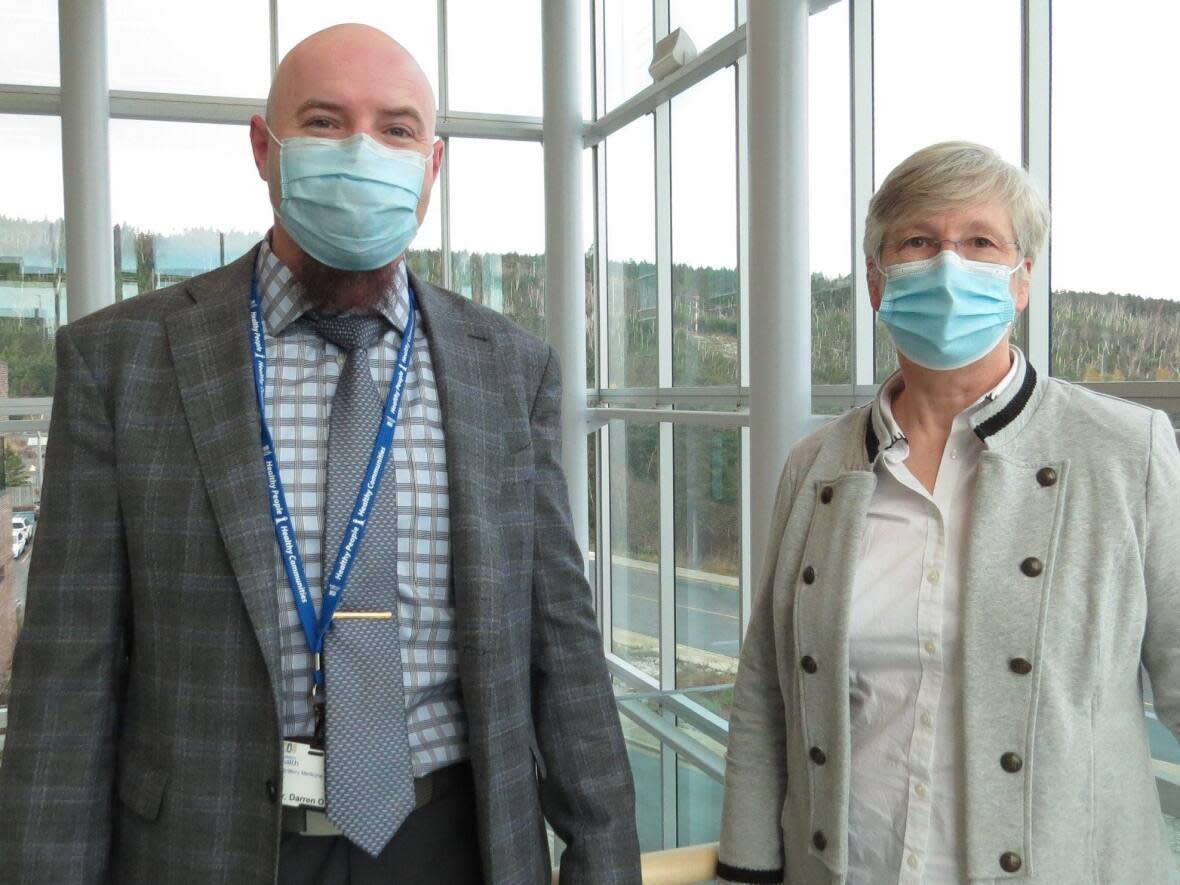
(953, 175)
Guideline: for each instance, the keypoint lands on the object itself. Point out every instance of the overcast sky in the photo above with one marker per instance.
(1115, 180)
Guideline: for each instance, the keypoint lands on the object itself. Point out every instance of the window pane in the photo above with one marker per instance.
(643, 752)
(414, 25)
(627, 33)
(168, 226)
(708, 520)
(32, 251)
(494, 56)
(704, 233)
(29, 43)
(917, 101)
(498, 227)
(915, 104)
(635, 544)
(1115, 312)
(830, 140)
(705, 21)
(633, 353)
(216, 47)
(589, 238)
(698, 805)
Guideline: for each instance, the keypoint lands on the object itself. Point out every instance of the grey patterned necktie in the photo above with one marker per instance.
(370, 779)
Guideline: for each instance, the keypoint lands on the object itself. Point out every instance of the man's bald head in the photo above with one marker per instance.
(342, 81)
(349, 56)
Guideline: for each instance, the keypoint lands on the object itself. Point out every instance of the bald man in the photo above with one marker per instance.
(306, 606)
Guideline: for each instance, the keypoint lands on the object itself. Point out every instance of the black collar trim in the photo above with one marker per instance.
(872, 445)
(1007, 415)
(756, 877)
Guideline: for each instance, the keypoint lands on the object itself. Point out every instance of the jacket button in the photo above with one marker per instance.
(272, 791)
(809, 575)
(1047, 476)
(807, 662)
(1010, 861)
(1032, 567)
(1011, 762)
(1020, 666)
(819, 840)
(826, 495)
(818, 756)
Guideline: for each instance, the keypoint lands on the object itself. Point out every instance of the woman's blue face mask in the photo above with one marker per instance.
(350, 203)
(946, 312)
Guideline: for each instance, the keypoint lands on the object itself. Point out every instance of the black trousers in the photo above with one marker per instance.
(437, 843)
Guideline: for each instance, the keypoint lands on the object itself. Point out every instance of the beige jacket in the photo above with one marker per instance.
(1073, 564)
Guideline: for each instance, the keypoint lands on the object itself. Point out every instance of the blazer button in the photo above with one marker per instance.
(1032, 567)
(272, 792)
(1011, 762)
(819, 840)
(1010, 861)
(807, 662)
(809, 575)
(818, 756)
(1020, 666)
(1047, 476)
(826, 495)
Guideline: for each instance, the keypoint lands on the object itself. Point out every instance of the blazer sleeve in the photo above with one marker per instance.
(751, 848)
(1161, 567)
(587, 792)
(59, 760)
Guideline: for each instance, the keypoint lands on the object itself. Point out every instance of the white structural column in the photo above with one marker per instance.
(780, 280)
(85, 155)
(565, 265)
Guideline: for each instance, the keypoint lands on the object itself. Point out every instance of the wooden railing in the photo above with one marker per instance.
(677, 866)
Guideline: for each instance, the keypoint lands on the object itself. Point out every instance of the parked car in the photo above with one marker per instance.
(26, 522)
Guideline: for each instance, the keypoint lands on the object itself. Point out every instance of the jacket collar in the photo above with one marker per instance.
(998, 421)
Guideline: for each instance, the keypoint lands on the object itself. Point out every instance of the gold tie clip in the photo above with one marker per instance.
(362, 616)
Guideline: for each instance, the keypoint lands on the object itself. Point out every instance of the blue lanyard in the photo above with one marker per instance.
(337, 578)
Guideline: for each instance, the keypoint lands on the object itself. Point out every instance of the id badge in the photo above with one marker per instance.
(303, 774)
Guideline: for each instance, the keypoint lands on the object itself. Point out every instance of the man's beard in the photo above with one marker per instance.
(332, 290)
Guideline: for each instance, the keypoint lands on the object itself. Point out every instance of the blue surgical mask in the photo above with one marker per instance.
(946, 312)
(350, 203)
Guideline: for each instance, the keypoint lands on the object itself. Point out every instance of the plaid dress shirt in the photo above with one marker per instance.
(301, 375)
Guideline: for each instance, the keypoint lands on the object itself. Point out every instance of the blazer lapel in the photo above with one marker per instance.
(211, 355)
(470, 383)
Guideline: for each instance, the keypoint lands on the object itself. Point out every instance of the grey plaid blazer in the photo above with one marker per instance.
(143, 734)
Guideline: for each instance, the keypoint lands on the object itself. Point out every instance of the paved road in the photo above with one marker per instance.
(20, 575)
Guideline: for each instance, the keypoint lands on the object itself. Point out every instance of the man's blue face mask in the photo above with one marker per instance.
(350, 203)
(946, 312)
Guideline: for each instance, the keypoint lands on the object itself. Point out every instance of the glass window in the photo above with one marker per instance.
(217, 47)
(830, 205)
(931, 85)
(589, 239)
(169, 226)
(1115, 312)
(414, 25)
(705, 21)
(32, 251)
(643, 752)
(633, 349)
(635, 544)
(704, 233)
(916, 103)
(497, 205)
(494, 56)
(29, 43)
(698, 805)
(627, 35)
(708, 532)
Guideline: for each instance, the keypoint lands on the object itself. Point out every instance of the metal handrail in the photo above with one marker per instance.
(676, 866)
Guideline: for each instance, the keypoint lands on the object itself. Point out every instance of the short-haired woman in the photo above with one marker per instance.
(941, 679)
